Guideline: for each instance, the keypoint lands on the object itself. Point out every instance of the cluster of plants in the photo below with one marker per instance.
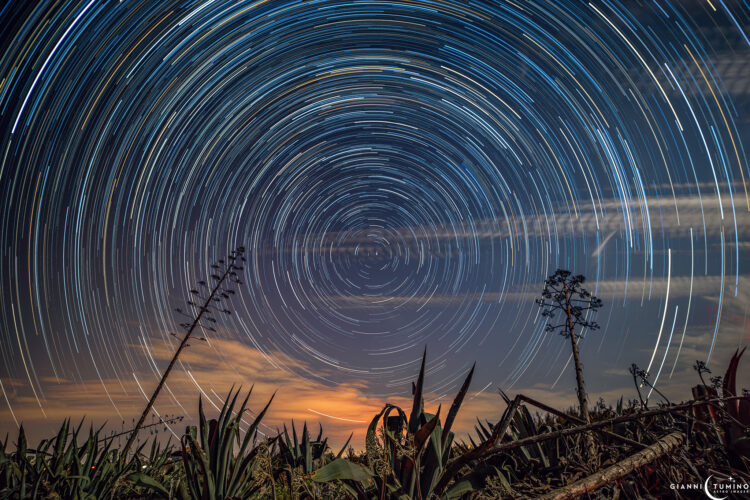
(407, 455)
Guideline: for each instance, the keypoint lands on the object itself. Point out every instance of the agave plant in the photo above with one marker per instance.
(409, 458)
(545, 454)
(18, 475)
(500, 472)
(212, 468)
(158, 473)
(299, 457)
(305, 452)
(62, 468)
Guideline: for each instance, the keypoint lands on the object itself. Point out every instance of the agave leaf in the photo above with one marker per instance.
(221, 436)
(296, 442)
(254, 426)
(499, 430)
(191, 476)
(503, 479)
(504, 396)
(730, 377)
(62, 437)
(244, 462)
(417, 405)
(247, 398)
(730, 387)
(341, 452)
(393, 428)
(227, 410)
(286, 442)
(371, 438)
(482, 431)
(322, 447)
(206, 477)
(341, 468)
(409, 473)
(221, 455)
(420, 437)
(21, 444)
(433, 462)
(306, 450)
(145, 481)
(241, 470)
(457, 404)
(397, 491)
(138, 451)
(89, 449)
(459, 489)
(526, 426)
(202, 424)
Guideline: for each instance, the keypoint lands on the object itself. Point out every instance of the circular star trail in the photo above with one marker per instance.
(403, 174)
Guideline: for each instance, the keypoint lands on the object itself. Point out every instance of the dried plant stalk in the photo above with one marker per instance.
(618, 470)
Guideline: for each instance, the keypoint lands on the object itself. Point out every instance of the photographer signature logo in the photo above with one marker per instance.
(716, 490)
(708, 492)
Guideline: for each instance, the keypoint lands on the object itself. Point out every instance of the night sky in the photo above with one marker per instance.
(403, 175)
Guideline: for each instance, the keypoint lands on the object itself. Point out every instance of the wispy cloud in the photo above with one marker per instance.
(342, 409)
(672, 216)
(707, 286)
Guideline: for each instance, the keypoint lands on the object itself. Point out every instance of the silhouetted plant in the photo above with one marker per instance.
(212, 467)
(519, 456)
(701, 368)
(408, 456)
(637, 373)
(212, 303)
(641, 374)
(564, 292)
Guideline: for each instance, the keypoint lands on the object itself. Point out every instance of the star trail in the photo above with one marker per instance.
(403, 174)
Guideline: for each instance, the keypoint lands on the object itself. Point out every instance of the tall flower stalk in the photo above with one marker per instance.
(209, 306)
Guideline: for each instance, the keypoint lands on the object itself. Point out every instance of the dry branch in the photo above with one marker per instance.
(603, 423)
(618, 470)
(577, 420)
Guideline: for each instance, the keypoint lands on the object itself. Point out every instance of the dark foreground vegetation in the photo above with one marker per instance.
(630, 450)
(533, 450)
